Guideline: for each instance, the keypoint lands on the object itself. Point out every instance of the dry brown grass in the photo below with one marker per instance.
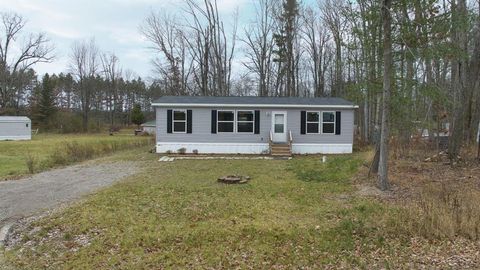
(441, 212)
(433, 200)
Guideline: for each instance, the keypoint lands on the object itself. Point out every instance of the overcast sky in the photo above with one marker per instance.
(113, 23)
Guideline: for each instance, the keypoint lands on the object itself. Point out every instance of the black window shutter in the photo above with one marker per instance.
(169, 121)
(303, 121)
(189, 121)
(214, 121)
(338, 122)
(257, 122)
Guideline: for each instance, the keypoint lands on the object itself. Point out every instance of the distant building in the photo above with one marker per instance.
(149, 127)
(15, 128)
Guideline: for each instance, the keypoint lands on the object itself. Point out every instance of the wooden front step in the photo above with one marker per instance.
(280, 150)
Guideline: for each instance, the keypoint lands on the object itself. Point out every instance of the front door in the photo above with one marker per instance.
(279, 127)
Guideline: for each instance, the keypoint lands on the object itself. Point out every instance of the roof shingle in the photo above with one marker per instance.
(251, 100)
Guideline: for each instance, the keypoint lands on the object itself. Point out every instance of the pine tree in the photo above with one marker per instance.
(45, 107)
(137, 115)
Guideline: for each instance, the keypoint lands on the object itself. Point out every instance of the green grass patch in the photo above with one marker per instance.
(49, 150)
(335, 169)
(176, 215)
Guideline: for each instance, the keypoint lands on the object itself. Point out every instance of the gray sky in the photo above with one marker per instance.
(113, 23)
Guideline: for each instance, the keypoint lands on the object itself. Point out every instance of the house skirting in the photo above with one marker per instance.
(214, 148)
(251, 148)
(15, 138)
(317, 148)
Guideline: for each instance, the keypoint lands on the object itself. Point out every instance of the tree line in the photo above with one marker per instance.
(288, 48)
(94, 86)
(329, 48)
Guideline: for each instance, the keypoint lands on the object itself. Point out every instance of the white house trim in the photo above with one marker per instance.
(252, 148)
(317, 148)
(214, 148)
(254, 105)
(16, 138)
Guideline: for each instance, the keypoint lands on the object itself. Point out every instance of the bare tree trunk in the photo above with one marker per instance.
(387, 84)
(459, 70)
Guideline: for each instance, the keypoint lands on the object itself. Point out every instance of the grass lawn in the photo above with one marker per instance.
(293, 214)
(44, 148)
(175, 215)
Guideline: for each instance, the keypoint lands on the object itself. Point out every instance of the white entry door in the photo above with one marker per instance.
(279, 127)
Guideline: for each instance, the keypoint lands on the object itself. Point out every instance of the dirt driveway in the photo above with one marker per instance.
(46, 190)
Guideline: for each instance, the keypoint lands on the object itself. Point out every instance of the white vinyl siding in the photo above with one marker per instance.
(202, 119)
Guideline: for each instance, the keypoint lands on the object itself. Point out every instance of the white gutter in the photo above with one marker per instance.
(254, 105)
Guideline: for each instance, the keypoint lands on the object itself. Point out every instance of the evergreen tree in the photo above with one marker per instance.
(44, 102)
(137, 115)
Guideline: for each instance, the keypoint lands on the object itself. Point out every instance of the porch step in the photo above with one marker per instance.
(280, 150)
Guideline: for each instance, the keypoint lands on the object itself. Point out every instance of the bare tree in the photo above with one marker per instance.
(260, 44)
(458, 76)
(387, 85)
(85, 67)
(331, 14)
(316, 38)
(168, 39)
(210, 48)
(16, 58)
(112, 73)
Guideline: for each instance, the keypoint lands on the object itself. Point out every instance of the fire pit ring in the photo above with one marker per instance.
(234, 179)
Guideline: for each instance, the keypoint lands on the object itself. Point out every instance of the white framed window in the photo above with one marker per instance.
(328, 122)
(245, 121)
(225, 121)
(313, 122)
(179, 121)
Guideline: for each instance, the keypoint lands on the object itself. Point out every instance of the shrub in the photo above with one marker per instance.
(30, 160)
(182, 151)
(195, 151)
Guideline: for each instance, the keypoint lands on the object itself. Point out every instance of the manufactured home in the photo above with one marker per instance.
(254, 125)
(15, 128)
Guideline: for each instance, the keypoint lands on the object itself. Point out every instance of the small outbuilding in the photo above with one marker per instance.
(149, 127)
(15, 128)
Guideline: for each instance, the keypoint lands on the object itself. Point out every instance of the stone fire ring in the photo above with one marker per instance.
(234, 179)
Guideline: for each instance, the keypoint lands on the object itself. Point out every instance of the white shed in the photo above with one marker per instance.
(149, 127)
(15, 128)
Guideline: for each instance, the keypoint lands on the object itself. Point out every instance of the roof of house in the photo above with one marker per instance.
(149, 124)
(14, 119)
(246, 101)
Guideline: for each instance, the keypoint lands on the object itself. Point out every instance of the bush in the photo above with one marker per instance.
(195, 151)
(31, 161)
(182, 151)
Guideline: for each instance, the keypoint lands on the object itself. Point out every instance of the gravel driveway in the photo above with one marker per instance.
(46, 190)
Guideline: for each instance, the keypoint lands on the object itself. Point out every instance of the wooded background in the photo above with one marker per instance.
(289, 48)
